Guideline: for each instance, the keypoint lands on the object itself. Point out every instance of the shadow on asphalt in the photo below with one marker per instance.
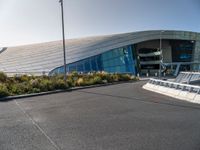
(147, 101)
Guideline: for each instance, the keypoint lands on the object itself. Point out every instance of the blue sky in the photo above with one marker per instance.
(34, 21)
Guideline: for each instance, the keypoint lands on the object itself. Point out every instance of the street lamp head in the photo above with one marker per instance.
(60, 1)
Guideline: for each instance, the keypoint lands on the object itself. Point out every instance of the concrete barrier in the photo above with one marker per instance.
(175, 90)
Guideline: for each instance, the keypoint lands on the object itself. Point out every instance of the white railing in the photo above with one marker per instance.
(187, 77)
(175, 85)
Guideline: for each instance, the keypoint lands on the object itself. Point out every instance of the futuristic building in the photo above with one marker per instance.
(135, 53)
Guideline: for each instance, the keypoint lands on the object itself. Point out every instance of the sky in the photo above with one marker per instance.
(35, 21)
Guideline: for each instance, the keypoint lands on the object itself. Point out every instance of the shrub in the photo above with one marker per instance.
(74, 73)
(35, 83)
(3, 91)
(45, 85)
(134, 78)
(115, 77)
(104, 76)
(60, 84)
(24, 78)
(124, 77)
(97, 80)
(104, 81)
(72, 78)
(35, 90)
(19, 88)
(70, 82)
(15, 89)
(17, 78)
(3, 77)
(80, 82)
(56, 77)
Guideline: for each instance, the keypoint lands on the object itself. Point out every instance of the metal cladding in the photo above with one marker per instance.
(41, 58)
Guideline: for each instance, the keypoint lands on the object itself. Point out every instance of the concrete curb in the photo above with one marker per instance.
(60, 91)
(178, 94)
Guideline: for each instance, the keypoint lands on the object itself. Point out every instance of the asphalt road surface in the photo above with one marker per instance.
(117, 117)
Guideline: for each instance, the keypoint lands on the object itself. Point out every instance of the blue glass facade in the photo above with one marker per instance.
(119, 60)
(182, 51)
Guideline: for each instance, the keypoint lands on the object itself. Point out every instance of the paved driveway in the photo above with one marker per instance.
(117, 117)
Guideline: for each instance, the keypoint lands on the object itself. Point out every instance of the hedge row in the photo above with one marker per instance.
(24, 84)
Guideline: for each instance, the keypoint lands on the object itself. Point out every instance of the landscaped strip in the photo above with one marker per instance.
(20, 85)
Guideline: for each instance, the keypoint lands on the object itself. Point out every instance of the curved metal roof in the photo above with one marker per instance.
(44, 57)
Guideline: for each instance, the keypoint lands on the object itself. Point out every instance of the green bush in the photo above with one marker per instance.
(3, 77)
(60, 84)
(124, 77)
(74, 73)
(115, 77)
(80, 82)
(97, 80)
(134, 78)
(33, 84)
(3, 91)
(70, 82)
(45, 85)
(104, 76)
(35, 90)
(24, 78)
(56, 77)
(19, 88)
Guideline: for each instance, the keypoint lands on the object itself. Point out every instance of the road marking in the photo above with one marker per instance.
(37, 126)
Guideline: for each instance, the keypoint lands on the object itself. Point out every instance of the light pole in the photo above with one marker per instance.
(161, 54)
(63, 34)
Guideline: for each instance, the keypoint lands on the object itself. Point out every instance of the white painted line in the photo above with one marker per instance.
(37, 126)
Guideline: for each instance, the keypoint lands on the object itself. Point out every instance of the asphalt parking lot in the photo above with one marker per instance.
(116, 117)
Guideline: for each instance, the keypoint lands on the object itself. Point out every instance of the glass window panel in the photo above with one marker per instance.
(115, 53)
(106, 69)
(117, 69)
(99, 62)
(61, 70)
(58, 70)
(80, 67)
(93, 63)
(87, 65)
(110, 54)
(110, 63)
(112, 69)
(113, 62)
(122, 62)
(125, 51)
(122, 69)
(105, 64)
(116, 62)
(71, 68)
(131, 69)
(67, 68)
(105, 56)
(121, 51)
